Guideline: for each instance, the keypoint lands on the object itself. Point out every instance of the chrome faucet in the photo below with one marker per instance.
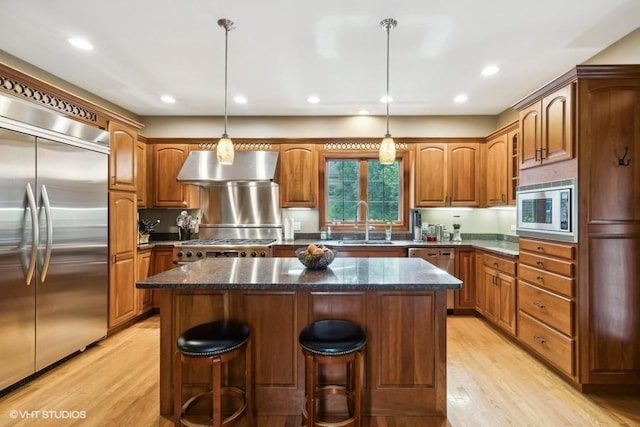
(366, 218)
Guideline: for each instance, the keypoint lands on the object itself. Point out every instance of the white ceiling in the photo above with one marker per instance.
(282, 51)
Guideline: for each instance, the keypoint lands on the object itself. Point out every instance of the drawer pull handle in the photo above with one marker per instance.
(539, 263)
(539, 304)
(540, 278)
(539, 339)
(540, 248)
(495, 264)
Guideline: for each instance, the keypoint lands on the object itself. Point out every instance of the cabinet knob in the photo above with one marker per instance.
(540, 278)
(539, 304)
(539, 339)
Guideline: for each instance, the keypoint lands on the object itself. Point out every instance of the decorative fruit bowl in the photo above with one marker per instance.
(315, 257)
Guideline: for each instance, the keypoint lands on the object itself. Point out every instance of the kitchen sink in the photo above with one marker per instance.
(365, 242)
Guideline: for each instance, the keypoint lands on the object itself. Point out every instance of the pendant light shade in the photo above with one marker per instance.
(387, 153)
(224, 149)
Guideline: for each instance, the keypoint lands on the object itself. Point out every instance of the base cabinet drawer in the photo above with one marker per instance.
(550, 344)
(554, 282)
(549, 308)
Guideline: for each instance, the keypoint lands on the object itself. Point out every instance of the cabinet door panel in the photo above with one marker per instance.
(530, 136)
(122, 157)
(464, 166)
(273, 316)
(398, 312)
(497, 171)
(613, 186)
(614, 298)
(557, 123)
(431, 175)
(507, 304)
(466, 271)
(298, 175)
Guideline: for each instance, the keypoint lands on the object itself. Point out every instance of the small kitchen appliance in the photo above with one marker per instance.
(416, 225)
(456, 229)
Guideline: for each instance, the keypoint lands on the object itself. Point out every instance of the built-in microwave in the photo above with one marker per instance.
(548, 210)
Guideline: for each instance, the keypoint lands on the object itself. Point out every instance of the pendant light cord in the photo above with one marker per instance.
(388, 28)
(226, 49)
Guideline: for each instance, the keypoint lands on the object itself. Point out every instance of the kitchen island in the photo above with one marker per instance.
(401, 303)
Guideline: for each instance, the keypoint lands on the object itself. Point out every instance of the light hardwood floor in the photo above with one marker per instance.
(491, 382)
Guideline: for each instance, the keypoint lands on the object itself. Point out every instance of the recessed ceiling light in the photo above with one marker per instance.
(168, 99)
(240, 99)
(490, 70)
(461, 98)
(80, 43)
(384, 99)
(313, 99)
(363, 112)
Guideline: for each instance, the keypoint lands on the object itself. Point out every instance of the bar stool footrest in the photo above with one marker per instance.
(234, 392)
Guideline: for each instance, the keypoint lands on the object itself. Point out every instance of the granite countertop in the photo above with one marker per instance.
(343, 274)
(500, 247)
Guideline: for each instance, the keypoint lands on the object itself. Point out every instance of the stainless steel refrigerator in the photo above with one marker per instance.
(53, 238)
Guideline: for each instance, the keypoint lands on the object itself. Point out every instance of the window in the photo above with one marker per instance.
(350, 177)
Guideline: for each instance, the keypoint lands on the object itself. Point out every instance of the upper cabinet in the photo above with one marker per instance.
(167, 191)
(298, 175)
(447, 174)
(502, 167)
(497, 170)
(122, 159)
(142, 171)
(546, 134)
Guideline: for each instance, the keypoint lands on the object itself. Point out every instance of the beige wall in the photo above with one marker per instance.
(624, 51)
(310, 127)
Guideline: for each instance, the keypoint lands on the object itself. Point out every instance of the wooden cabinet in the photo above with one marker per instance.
(595, 108)
(465, 298)
(144, 296)
(122, 255)
(609, 220)
(546, 129)
(142, 173)
(298, 175)
(447, 174)
(501, 166)
(546, 307)
(513, 167)
(497, 177)
(499, 288)
(122, 158)
(162, 259)
(167, 191)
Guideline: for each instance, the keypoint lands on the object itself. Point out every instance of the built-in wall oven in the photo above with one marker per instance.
(548, 210)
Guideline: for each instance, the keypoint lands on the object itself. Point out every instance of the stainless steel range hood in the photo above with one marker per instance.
(202, 168)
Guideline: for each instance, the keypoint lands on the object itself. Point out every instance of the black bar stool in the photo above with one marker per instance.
(330, 342)
(213, 344)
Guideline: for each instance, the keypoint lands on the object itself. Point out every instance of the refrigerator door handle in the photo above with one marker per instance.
(49, 221)
(34, 244)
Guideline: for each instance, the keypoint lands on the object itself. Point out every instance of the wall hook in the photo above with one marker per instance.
(621, 160)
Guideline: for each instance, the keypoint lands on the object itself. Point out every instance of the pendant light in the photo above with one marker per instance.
(387, 153)
(224, 149)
